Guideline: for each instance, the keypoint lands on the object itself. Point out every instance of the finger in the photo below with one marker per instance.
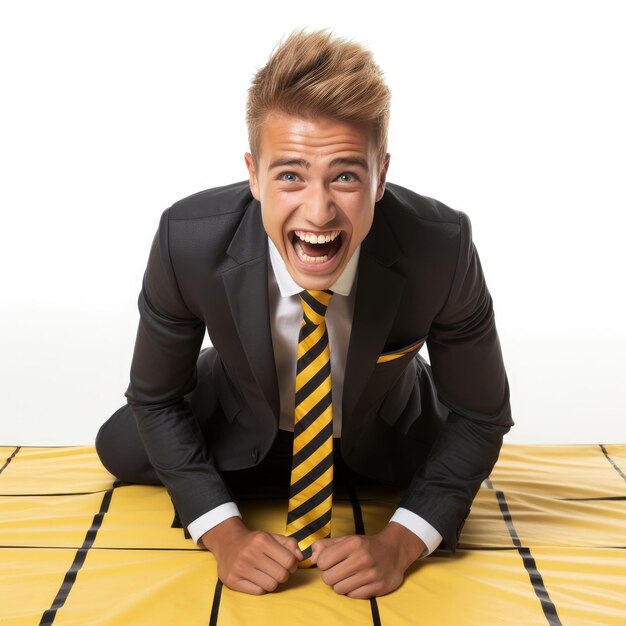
(343, 571)
(290, 543)
(260, 577)
(371, 590)
(273, 569)
(273, 545)
(246, 586)
(352, 583)
(364, 593)
(317, 547)
(316, 550)
(334, 551)
(284, 552)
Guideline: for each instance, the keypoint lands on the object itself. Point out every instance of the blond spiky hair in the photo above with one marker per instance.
(317, 75)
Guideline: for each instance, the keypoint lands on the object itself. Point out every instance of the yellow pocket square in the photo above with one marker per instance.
(396, 354)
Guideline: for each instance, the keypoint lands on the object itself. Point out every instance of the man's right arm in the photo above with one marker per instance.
(163, 371)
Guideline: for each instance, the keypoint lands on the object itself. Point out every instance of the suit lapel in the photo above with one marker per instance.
(247, 294)
(378, 293)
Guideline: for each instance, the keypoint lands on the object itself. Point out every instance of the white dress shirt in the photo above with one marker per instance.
(285, 320)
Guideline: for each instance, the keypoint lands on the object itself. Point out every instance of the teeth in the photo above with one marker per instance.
(309, 259)
(315, 238)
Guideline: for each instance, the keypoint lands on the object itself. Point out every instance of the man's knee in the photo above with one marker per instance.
(103, 448)
(121, 450)
(119, 444)
(105, 444)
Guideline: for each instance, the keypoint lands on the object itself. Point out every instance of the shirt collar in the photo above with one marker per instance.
(289, 287)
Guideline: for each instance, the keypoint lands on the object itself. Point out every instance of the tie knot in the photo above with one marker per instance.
(314, 304)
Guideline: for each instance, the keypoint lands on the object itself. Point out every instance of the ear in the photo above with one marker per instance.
(254, 181)
(382, 177)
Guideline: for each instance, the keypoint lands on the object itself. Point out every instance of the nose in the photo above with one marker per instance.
(318, 207)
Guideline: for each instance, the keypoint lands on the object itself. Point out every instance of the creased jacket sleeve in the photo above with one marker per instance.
(163, 370)
(471, 381)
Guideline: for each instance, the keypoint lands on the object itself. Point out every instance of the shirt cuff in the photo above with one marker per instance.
(212, 518)
(429, 535)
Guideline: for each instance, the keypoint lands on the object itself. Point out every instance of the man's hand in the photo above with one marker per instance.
(364, 566)
(253, 562)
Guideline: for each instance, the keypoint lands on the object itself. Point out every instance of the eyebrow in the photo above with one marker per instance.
(358, 161)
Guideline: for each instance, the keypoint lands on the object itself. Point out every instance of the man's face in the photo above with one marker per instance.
(317, 181)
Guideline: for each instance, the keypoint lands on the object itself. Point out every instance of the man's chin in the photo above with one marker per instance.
(315, 276)
(313, 281)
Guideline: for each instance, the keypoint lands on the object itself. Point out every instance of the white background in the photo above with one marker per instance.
(513, 112)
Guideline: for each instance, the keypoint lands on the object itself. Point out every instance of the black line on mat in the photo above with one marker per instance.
(104, 548)
(215, 609)
(70, 493)
(176, 523)
(536, 580)
(9, 459)
(612, 462)
(54, 447)
(359, 529)
(601, 498)
(49, 615)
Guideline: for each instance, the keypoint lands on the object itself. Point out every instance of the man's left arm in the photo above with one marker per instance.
(471, 381)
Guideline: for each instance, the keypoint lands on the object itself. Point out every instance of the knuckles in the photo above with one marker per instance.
(292, 543)
(234, 571)
(354, 542)
(364, 561)
(259, 538)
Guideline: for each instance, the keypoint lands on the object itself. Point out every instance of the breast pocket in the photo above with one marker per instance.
(410, 349)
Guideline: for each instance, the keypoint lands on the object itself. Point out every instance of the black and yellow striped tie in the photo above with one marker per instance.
(311, 491)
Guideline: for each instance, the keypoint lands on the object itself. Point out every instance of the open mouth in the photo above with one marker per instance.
(316, 248)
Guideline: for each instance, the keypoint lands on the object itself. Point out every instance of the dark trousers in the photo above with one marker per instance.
(122, 452)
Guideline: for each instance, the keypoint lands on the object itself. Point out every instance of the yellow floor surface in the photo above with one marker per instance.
(545, 543)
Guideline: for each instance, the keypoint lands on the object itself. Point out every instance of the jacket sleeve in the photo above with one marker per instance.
(471, 381)
(163, 371)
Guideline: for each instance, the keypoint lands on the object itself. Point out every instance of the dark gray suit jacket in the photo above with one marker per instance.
(419, 277)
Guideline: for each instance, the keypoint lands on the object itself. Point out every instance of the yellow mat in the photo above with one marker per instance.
(545, 543)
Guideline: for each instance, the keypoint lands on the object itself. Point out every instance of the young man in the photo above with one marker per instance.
(299, 383)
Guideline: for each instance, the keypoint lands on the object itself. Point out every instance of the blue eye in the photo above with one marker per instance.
(288, 176)
(346, 177)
